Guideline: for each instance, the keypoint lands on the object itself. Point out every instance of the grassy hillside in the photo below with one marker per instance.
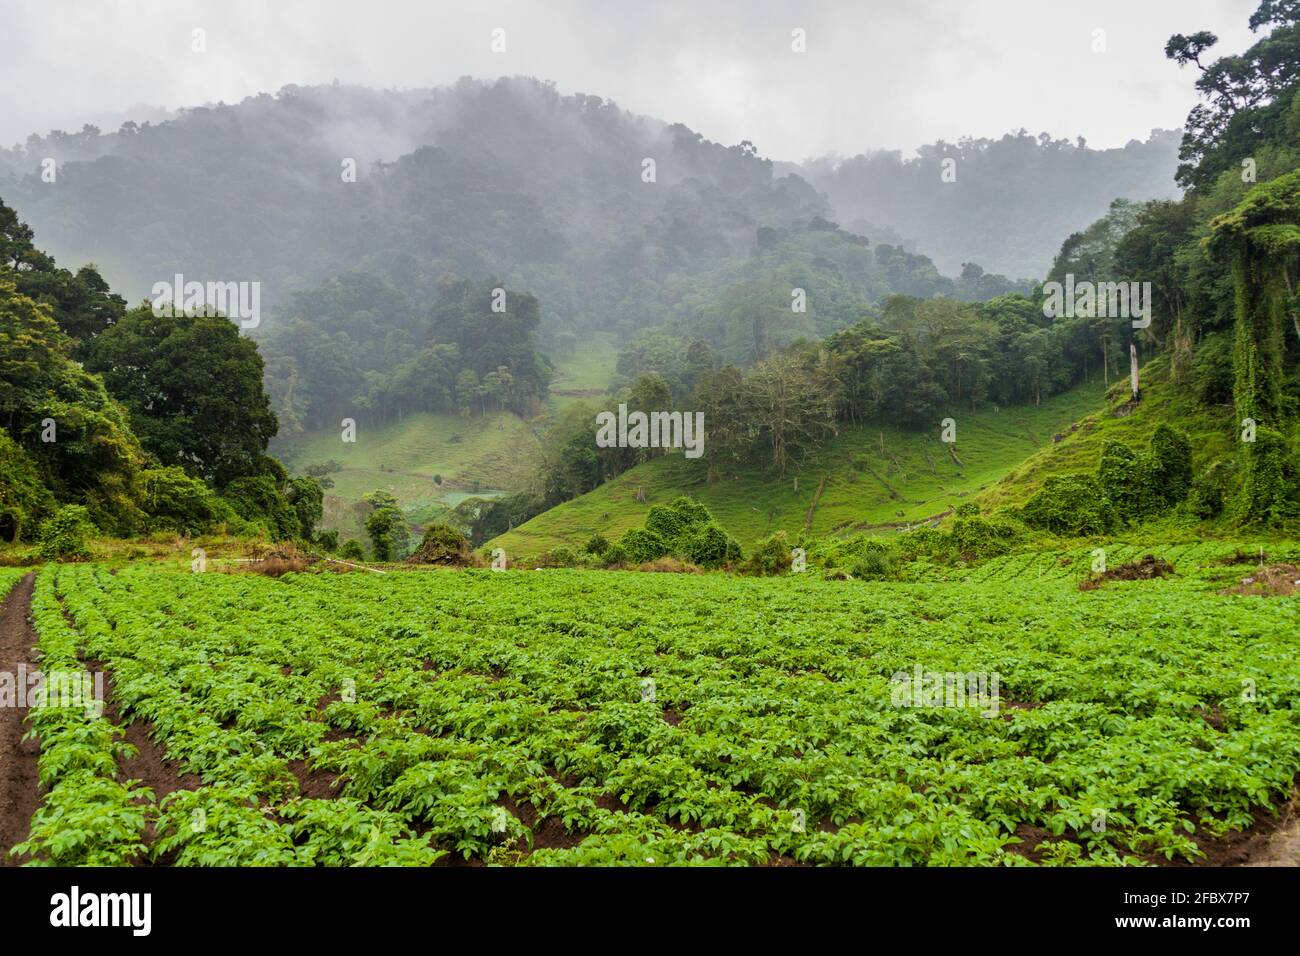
(1212, 432)
(868, 478)
(584, 374)
(482, 455)
(474, 455)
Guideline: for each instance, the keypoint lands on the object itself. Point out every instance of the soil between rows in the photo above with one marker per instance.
(18, 780)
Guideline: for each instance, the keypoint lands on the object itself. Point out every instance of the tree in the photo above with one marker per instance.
(386, 526)
(791, 406)
(1261, 239)
(61, 415)
(720, 396)
(193, 386)
(82, 303)
(1245, 96)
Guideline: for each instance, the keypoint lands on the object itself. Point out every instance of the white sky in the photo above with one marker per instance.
(876, 74)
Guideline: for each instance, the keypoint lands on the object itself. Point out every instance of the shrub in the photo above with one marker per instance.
(1069, 505)
(24, 500)
(1170, 466)
(352, 550)
(64, 535)
(922, 541)
(1126, 481)
(770, 557)
(442, 544)
(1270, 488)
(675, 524)
(642, 545)
(560, 557)
(874, 560)
(329, 540)
(967, 509)
(176, 501)
(597, 544)
(983, 538)
(710, 547)
(615, 556)
(257, 499)
(1212, 490)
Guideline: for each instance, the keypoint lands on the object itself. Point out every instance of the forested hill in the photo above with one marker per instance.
(1048, 187)
(507, 178)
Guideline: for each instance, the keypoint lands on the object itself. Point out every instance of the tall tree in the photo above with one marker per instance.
(193, 386)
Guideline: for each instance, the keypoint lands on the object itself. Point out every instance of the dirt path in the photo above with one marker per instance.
(18, 780)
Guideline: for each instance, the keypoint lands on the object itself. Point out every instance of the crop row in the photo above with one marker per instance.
(593, 717)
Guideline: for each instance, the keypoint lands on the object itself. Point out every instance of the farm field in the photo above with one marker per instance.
(582, 717)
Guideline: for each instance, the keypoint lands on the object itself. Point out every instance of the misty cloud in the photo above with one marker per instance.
(888, 74)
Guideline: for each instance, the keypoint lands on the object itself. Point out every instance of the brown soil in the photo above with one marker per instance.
(314, 784)
(549, 834)
(150, 764)
(1280, 580)
(18, 779)
(1241, 557)
(1270, 841)
(1144, 569)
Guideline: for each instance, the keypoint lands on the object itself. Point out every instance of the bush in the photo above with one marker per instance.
(352, 550)
(597, 544)
(684, 529)
(175, 501)
(257, 499)
(874, 560)
(675, 524)
(615, 556)
(1069, 505)
(983, 538)
(1212, 490)
(642, 545)
(328, 540)
(64, 535)
(442, 544)
(1170, 466)
(1126, 482)
(1270, 488)
(710, 547)
(561, 557)
(770, 557)
(923, 541)
(24, 500)
(968, 509)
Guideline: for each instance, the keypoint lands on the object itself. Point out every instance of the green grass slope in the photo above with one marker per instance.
(585, 373)
(476, 455)
(480, 455)
(1212, 431)
(869, 478)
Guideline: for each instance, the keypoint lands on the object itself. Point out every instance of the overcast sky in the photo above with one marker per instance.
(877, 73)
